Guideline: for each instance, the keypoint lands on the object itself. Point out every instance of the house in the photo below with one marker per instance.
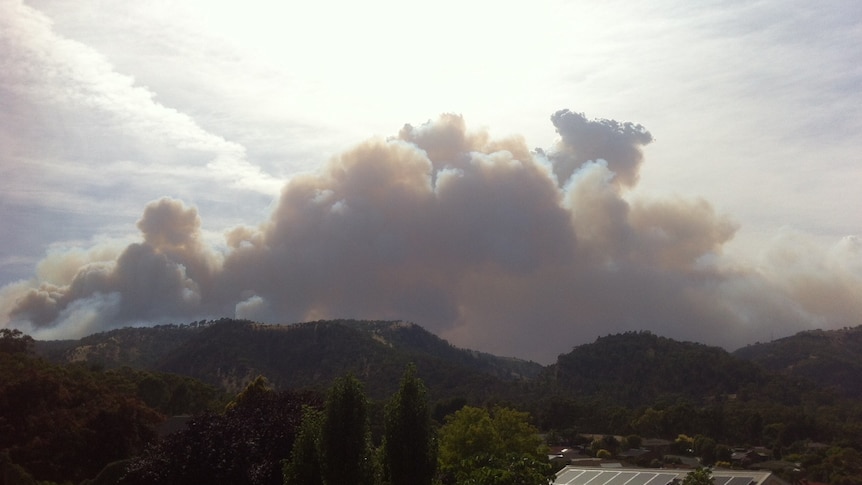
(746, 458)
(565, 455)
(659, 446)
(681, 461)
(638, 456)
(572, 475)
(776, 466)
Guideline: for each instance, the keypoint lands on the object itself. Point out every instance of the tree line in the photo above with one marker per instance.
(275, 438)
(65, 423)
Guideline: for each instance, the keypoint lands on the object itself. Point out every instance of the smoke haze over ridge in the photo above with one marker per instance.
(229, 131)
(482, 241)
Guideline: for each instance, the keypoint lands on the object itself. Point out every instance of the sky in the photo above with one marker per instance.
(516, 179)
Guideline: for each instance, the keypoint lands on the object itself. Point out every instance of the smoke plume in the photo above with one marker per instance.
(482, 241)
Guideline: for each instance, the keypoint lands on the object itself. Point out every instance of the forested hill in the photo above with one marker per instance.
(832, 358)
(638, 368)
(632, 369)
(142, 347)
(229, 353)
(635, 383)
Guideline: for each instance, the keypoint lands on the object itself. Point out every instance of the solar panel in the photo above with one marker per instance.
(640, 479)
(579, 476)
(621, 479)
(740, 481)
(603, 477)
(661, 479)
(584, 478)
(567, 476)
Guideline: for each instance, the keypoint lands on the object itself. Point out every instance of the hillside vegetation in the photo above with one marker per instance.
(631, 384)
(832, 358)
(638, 368)
(66, 422)
(229, 353)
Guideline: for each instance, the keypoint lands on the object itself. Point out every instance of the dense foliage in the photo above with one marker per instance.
(700, 476)
(243, 445)
(227, 353)
(334, 446)
(496, 447)
(303, 467)
(701, 399)
(478, 447)
(14, 341)
(831, 358)
(638, 368)
(345, 438)
(66, 422)
(136, 347)
(409, 439)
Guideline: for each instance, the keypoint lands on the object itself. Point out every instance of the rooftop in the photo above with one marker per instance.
(572, 475)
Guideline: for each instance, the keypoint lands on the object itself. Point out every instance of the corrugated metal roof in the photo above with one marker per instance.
(572, 475)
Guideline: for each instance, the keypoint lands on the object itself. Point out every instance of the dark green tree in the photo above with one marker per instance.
(704, 447)
(256, 391)
(246, 445)
(610, 443)
(491, 448)
(506, 469)
(723, 453)
(633, 441)
(154, 391)
(841, 466)
(14, 341)
(700, 476)
(409, 443)
(345, 444)
(304, 465)
(12, 474)
(67, 422)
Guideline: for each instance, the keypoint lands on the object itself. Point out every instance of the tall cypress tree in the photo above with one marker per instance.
(345, 444)
(304, 465)
(409, 443)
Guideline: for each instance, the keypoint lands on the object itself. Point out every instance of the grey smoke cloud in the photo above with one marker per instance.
(582, 140)
(483, 241)
(160, 277)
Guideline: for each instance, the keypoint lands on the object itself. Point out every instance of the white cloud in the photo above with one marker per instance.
(88, 145)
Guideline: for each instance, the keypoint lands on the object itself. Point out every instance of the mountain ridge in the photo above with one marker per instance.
(636, 367)
(832, 358)
(628, 367)
(229, 353)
